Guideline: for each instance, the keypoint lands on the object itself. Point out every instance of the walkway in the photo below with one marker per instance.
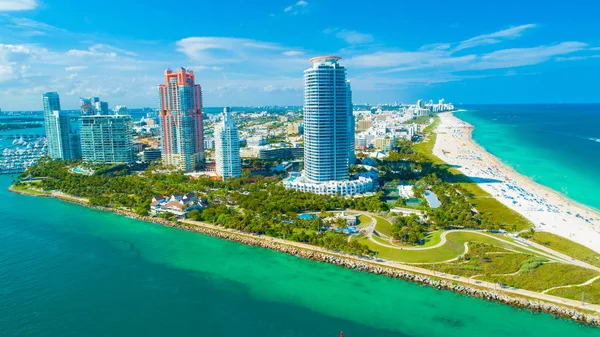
(588, 282)
(414, 269)
(522, 244)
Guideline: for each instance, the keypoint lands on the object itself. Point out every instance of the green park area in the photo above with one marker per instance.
(565, 246)
(480, 199)
(451, 238)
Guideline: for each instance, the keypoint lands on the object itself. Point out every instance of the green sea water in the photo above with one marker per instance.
(66, 270)
(557, 145)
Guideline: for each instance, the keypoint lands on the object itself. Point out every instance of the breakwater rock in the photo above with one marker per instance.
(359, 264)
(363, 264)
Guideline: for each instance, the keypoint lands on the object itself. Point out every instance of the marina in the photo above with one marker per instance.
(22, 152)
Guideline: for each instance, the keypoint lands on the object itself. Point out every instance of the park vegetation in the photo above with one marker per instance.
(254, 204)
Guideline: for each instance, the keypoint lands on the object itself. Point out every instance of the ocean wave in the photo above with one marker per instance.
(593, 139)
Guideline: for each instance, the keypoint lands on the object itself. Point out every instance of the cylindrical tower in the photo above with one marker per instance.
(326, 121)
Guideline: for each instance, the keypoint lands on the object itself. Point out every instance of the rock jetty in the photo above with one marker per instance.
(359, 264)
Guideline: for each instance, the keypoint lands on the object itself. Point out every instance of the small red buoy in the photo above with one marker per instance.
(341, 334)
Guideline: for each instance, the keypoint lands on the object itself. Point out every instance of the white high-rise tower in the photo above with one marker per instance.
(325, 121)
(328, 132)
(59, 132)
(227, 147)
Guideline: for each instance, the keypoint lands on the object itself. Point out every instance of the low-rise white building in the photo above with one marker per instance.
(334, 187)
(406, 191)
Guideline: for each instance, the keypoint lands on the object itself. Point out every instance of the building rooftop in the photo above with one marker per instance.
(325, 58)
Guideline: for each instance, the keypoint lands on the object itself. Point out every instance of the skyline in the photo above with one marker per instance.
(255, 55)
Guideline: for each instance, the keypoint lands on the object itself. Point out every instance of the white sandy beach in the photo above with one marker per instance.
(546, 208)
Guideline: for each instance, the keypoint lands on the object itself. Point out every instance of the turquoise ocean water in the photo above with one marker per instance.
(66, 270)
(556, 145)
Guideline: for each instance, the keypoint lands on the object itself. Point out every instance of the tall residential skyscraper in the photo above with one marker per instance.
(326, 125)
(351, 125)
(227, 147)
(58, 128)
(180, 101)
(328, 132)
(107, 139)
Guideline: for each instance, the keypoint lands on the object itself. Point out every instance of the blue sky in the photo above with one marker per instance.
(254, 52)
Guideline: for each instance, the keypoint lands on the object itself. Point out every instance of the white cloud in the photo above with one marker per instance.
(293, 53)
(221, 50)
(198, 68)
(99, 48)
(296, 8)
(7, 73)
(577, 58)
(350, 36)
(518, 57)
(90, 53)
(31, 26)
(493, 38)
(103, 51)
(354, 37)
(17, 5)
(75, 68)
(442, 57)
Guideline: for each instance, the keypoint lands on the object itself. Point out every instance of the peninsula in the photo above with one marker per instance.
(470, 242)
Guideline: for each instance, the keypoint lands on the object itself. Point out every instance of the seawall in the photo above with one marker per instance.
(355, 263)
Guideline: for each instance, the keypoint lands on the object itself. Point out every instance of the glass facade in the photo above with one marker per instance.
(180, 101)
(107, 139)
(59, 133)
(227, 147)
(326, 121)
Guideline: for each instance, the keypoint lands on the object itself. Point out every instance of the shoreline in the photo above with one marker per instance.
(409, 273)
(549, 190)
(548, 210)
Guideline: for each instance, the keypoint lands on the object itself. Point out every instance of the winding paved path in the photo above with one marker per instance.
(414, 269)
(588, 282)
(520, 243)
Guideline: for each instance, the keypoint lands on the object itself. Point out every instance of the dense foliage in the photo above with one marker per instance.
(253, 204)
(409, 229)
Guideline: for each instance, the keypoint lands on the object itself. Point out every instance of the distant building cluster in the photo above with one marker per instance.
(98, 135)
(324, 137)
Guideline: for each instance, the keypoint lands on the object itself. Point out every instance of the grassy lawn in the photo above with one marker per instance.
(432, 239)
(567, 247)
(382, 225)
(363, 221)
(592, 292)
(452, 249)
(546, 276)
(380, 240)
(502, 263)
(482, 200)
(29, 188)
